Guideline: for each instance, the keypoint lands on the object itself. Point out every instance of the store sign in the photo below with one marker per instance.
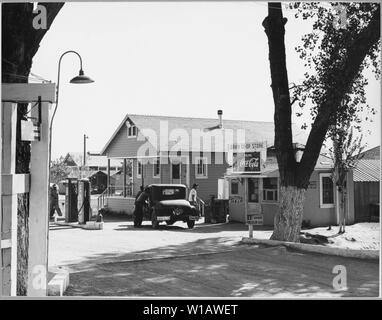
(253, 146)
(29, 131)
(247, 157)
(247, 161)
(254, 219)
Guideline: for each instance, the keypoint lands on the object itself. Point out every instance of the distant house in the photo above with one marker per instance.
(197, 164)
(69, 160)
(97, 169)
(367, 186)
(98, 162)
(98, 181)
(94, 163)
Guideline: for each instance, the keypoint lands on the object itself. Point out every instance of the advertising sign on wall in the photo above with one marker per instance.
(247, 161)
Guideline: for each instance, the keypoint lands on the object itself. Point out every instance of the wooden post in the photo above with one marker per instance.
(124, 178)
(8, 198)
(245, 181)
(250, 226)
(1, 190)
(142, 173)
(108, 175)
(1, 202)
(39, 208)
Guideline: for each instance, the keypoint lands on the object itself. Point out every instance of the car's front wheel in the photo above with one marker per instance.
(190, 224)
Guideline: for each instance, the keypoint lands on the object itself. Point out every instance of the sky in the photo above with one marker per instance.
(178, 59)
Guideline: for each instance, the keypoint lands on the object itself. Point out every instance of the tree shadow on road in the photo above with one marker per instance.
(219, 267)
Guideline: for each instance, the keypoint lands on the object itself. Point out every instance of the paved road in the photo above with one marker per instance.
(208, 261)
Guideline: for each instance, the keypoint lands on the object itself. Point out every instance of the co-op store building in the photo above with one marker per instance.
(165, 149)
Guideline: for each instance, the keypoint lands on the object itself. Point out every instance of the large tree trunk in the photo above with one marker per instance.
(294, 176)
(289, 218)
(20, 42)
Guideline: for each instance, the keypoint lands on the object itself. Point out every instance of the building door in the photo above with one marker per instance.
(253, 198)
(176, 172)
(179, 171)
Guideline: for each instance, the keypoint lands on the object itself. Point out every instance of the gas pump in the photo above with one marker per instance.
(71, 212)
(83, 201)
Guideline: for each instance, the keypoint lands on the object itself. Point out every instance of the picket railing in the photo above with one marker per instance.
(113, 191)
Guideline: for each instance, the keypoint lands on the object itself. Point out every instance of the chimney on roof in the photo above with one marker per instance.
(220, 115)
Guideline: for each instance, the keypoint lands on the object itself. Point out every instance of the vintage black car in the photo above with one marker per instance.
(167, 202)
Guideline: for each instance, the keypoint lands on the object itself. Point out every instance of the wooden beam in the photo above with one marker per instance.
(14, 183)
(8, 133)
(38, 209)
(28, 92)
(8, 166)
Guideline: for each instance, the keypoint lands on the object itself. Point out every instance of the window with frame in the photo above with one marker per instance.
(270, 189)
(139, 169)
(156, 168)
(234, 187)
(132, 131)
(253, 190)
(201, 167)
(326, 191)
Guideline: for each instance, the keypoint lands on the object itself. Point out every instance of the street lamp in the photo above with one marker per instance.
(80, 79)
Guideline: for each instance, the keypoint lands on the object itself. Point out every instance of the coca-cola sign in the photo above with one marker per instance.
(246, 161)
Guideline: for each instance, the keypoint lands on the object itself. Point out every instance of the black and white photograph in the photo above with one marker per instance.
(223, 150)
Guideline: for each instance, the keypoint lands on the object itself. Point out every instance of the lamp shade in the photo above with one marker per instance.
(81, 78)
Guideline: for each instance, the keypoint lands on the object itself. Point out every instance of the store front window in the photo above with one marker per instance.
(270, 189)
(253, 190)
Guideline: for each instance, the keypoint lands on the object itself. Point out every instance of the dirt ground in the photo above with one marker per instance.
(208, 261)
(362, 236)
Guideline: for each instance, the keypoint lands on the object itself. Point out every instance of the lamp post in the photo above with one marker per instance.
(85, 137)
(81, 78)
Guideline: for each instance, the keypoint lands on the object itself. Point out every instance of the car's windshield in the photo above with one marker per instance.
(168, 193)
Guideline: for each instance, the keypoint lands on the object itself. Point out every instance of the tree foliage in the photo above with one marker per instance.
(58, 170)
(346, 152)
(327, 50)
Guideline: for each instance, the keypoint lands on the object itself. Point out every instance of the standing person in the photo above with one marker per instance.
(138, 210)
(54, 205)
(193, 195)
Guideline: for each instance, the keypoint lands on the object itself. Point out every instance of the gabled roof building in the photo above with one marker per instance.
(231, 159)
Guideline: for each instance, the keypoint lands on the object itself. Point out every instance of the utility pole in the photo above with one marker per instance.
(84, 160)
(84, 157)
